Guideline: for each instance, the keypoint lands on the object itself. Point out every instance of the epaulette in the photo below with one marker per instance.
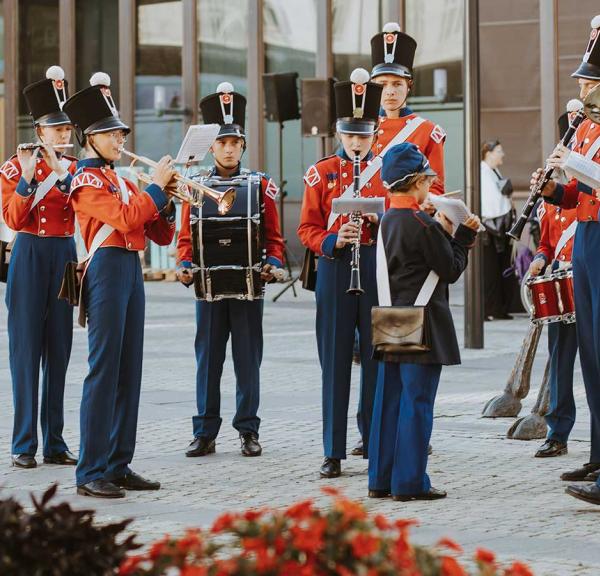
(438, 135)
(9, 169)
(84, 178)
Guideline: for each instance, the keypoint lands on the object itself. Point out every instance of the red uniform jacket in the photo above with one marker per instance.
(324, 181)
(97, 201)
(554, 221)
(429, 137)
(575, 194)
(274, 244)
(52, 216)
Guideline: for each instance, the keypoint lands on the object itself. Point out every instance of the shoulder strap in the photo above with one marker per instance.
(565, 237)
(383, 279)
(376, 163)
(593, 149)
(47, 185)
(123, 190)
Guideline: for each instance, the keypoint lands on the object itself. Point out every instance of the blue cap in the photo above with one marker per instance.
(401, 163)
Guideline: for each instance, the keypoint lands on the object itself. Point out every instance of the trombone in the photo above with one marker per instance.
(182, 187)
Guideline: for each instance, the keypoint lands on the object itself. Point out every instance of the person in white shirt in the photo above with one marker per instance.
(497, 216)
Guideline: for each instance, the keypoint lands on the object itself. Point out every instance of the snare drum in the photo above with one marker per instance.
(228, 250)
(552, 298)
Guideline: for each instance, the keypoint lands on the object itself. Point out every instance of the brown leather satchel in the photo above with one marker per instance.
(70, 287)
(399, 330)
(308, 275)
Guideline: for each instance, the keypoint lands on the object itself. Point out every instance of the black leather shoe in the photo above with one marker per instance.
(592, 476)
(100, 489)
(23, 461)
(200, 446)
(433, 494)
(250, 444)
(551, 448)
(331, 468)
(379, 493)
(358, 449)
(589, 493)
(579, 474)
(64, 458)
(133, 481)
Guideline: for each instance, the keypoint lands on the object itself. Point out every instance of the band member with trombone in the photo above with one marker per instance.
(417, 257)
(115, 218)
(330, 236)
(584, 197)
(36, 204)
(240, 318)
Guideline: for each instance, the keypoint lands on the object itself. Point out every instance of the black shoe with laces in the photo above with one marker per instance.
(331, 468)
(250, 444)
(200, 446)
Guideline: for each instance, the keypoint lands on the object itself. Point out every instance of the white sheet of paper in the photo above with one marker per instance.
(197, 141)
(584, 169)
(454, 208)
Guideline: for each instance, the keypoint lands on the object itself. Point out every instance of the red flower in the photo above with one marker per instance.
(129, 565)
(279, 545)
(193, 571)
(223, 522)
(484, 556)
(382, 522)
(189, 541)
(405, 523)
(331, 491)
(518, 569)
(253, 544)
(450, 544)
(300, 511)
(450, 567)
(310, 540)
(350, 510)
(158, 548)
(364, 545)
(252, 515)
(293, 568)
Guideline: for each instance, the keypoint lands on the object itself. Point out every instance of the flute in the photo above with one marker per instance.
(36, 145)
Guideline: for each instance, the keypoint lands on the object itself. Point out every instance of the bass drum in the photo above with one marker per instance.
(228, 250)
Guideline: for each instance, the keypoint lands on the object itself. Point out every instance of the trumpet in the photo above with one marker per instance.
(181, 187)
(36, 145)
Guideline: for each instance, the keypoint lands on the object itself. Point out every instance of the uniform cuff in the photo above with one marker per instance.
(65, 185)
(185, 264)
(581, 187)
(158, 196)
(25, 188)
(274, 261)
(170, 212)
(557, 197)
(328, 245)
(541, 256)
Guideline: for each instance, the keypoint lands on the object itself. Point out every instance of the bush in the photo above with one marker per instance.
(302, 540)
(55, 540)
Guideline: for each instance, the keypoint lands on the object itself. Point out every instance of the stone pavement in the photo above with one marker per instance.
(499, 496)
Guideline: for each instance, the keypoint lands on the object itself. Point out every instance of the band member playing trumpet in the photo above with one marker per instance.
(586, 266)
(242, 319)
(35, 204)
(115, 218)
(329, 235)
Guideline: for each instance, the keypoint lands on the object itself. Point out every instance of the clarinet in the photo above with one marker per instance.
(356, 218)
(536, 192)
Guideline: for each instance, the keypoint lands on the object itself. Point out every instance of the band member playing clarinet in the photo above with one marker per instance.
(554, 251)
(35, 204)
(115, 218)
(419, 258)
(240, 318)
(330, 236)
(586, 265)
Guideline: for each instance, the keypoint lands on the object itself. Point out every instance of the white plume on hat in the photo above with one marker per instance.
(360, 76)
(596, 21)
(100, 79)
(55, 73)
(574, 105)
(225, 88)
(391, 27)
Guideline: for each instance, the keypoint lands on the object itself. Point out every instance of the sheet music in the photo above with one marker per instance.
(197, 141)
(456, 210)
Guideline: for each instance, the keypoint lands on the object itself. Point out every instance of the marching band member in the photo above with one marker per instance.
(115, 218)
(328, 235)
(242, 319)
(586, 266)
(35, 203)
(556, 246)
(413, 245)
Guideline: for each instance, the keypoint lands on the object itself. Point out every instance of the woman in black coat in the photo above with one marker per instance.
(414, 244)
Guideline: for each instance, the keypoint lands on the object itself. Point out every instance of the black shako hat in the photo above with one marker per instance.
(392, 52)
(357, 104)
(45, 98)
(93, 110)
(226, 108)
(589, 68)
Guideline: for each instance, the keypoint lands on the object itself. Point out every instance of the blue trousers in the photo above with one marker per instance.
(586, 281)
(40, 328)
(401, 428)
(562, 346)
(215, 322)
(114, 295)
(339, 315)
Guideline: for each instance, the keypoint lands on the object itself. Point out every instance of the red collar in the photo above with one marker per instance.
(403, 201)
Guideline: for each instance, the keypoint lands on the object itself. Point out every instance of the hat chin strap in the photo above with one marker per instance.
(97, 152)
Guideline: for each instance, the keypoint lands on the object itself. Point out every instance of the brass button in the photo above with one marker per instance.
(42, 232)
(381, 131)
(43, 220)
(344, 175)
(40, 171)
(67, 233)
(128, 244)
(42, 208)
(589, 218)
(65, 207)
(592, 202)
(65, 219)
(563, 219)
(343, 162)
(557, 217)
